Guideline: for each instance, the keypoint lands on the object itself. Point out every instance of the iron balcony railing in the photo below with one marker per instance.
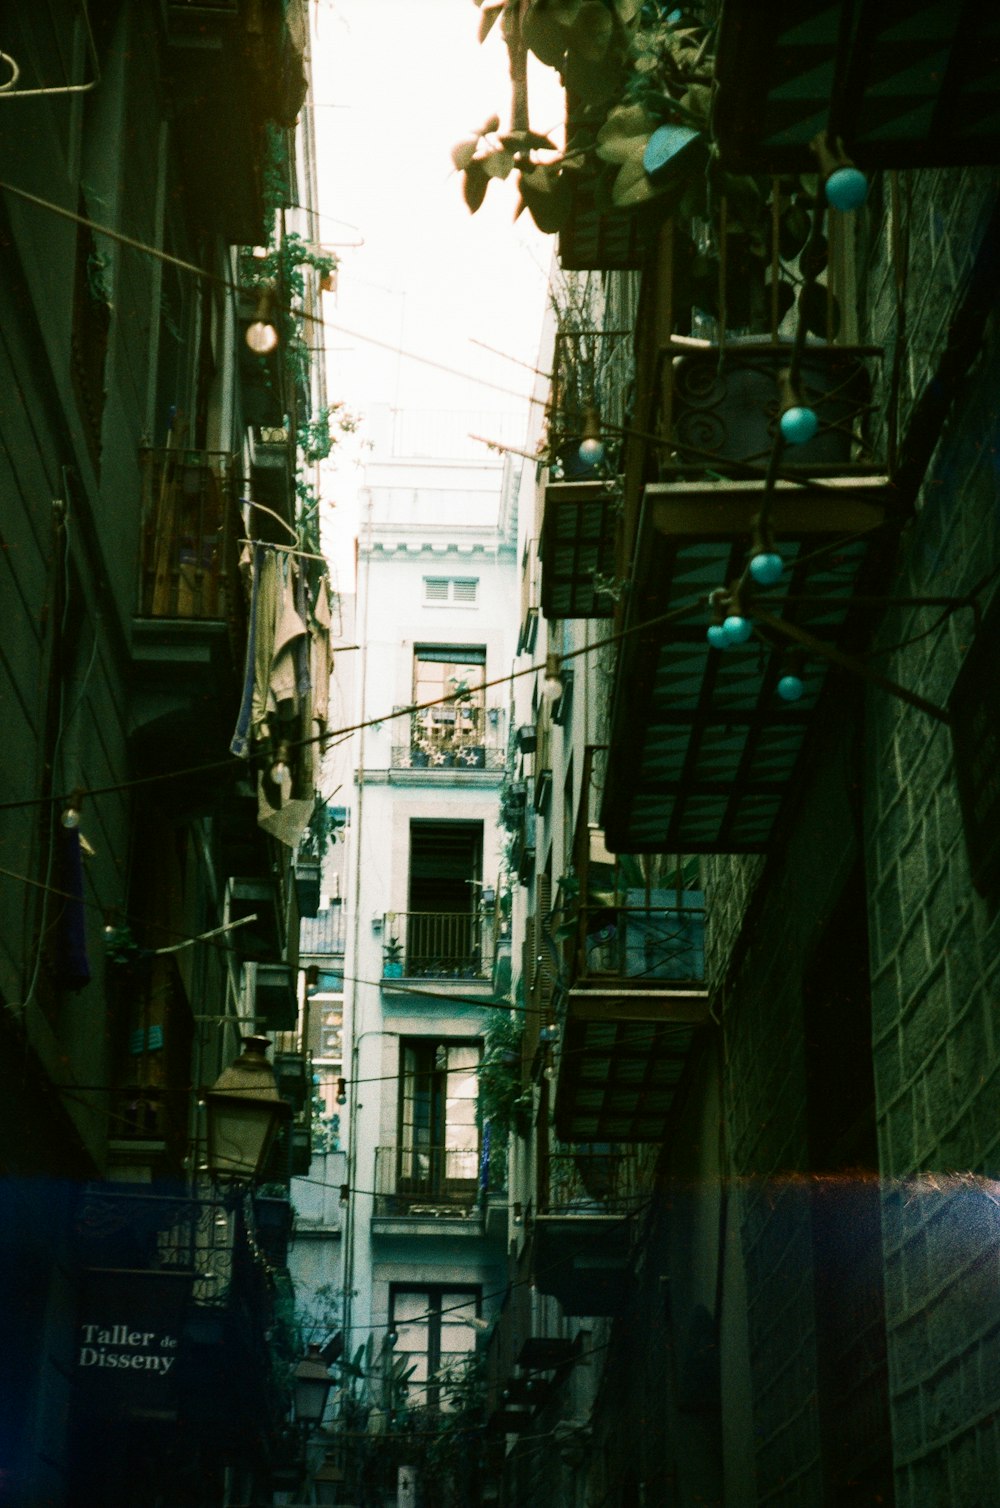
(427, 1180)
(456, 738)
(649, 938)
(439, 944)
(210, 1239)
(189, 536)
(581, 1181)
(592, 373)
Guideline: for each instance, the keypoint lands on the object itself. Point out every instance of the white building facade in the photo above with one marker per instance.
(425, 1224)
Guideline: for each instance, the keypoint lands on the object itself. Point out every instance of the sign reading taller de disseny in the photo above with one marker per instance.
(128, 1342)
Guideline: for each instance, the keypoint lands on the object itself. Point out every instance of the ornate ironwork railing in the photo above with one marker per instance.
(209, 1238)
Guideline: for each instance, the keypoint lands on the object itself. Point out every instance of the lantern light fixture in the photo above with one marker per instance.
(311, 1384)
(244, 1113)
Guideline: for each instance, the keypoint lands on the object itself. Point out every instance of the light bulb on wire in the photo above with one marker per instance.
(798, 422)
(846, 189)
(766, 565)
(552, 684)
(70, 818)
(280, 772)
(591, 451)
(262, 334)
(737, 625)
(845, 186)
(791, 686)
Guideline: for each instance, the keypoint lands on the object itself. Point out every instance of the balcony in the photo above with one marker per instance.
(439, 944)
(231, 67)
(636, 999)
(453, 741)
(915, 86)
(588, 1207)
(703, 749)
(591, 370)
(427, 1190)
(523, 1368)
(189, 633)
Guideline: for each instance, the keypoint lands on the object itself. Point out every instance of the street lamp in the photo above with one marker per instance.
(311, 1383)
(245, 1112)
(328, 1479)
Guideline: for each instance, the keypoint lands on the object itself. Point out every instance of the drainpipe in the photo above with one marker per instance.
(352, 1145)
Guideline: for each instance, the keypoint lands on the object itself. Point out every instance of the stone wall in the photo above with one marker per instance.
(878, 783)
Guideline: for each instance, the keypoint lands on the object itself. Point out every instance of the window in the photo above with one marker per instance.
(450, 732)
(460, 590)
(434, 1334)
(438, 1131)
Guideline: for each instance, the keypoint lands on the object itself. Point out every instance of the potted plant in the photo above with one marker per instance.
(392, 959)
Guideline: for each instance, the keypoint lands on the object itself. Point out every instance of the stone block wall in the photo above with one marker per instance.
(934, 942)
(935, 964)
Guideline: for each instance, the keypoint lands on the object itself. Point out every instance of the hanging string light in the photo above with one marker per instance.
(552, 684)
(798, 422)
(845, 185)
(70, 818)
(766, 565)
(262, 334)
(737, 624)
(791, 686)
(591, 451)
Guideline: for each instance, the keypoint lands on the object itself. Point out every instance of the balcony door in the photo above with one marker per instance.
(443, 930)
(438, 1127)
(448, 733)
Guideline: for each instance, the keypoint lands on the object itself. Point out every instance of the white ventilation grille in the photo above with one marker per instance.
(458, 589)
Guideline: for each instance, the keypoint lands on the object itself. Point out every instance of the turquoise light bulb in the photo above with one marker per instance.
(790, 688)
(846, 189)
(799, 424)
(591, 452)
(737, 629)
(767, 567)
(717, 636)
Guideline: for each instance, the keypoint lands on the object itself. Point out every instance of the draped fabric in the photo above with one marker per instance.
(287, 648)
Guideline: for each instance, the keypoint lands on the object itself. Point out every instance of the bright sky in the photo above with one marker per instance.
(397, 83)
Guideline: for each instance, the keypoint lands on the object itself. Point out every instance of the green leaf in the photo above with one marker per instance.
(544, 36)
(592, 31)
(548, 197)
(474, 186)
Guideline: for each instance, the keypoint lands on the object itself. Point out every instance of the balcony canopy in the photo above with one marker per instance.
(578, 549)
(906, 84)
(702, 749)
